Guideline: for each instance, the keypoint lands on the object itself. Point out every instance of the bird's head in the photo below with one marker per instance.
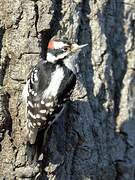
(60, 50)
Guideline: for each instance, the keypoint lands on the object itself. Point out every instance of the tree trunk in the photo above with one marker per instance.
(94, 139)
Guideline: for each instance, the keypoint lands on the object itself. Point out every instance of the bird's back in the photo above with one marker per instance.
(49, 85)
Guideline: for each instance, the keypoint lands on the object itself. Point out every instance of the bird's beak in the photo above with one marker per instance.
(76, 47)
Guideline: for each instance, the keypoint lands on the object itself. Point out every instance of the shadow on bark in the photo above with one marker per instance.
(113, 13)
(116, 62)
(85, 37)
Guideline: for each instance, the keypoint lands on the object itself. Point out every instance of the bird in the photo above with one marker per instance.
(49, 85)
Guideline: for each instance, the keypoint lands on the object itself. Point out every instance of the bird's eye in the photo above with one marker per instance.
(66, 48)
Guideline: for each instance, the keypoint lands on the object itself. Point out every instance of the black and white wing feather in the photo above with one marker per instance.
(47, 87)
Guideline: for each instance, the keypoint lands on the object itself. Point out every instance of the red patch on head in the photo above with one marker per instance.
(50, 45)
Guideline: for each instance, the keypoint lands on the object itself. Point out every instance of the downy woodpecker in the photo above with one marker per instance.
(49, 85)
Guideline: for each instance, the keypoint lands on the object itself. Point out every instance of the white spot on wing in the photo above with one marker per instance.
(32, 115)
(34, 124)
(35, 94)
(51, 109)
(43, 118)
(37, 105)
(32, 92)
(30, 104)
(38, 116)
(55, 83)
(30, 125)
(42, 102)
(42, 111)
(49, 104)
(39, 123)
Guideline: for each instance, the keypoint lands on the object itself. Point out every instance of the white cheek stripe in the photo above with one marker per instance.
(55, 83)
(51, 58)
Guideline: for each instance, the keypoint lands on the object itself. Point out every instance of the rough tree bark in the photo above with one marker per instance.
(94, 138)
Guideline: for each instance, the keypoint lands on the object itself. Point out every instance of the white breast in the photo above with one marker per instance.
(56, 79)
(71, 63)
